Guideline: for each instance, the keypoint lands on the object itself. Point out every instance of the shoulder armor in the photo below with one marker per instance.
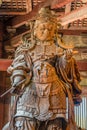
(24, 47)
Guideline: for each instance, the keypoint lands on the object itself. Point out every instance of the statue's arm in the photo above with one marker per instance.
(78, 77)
(20, 71)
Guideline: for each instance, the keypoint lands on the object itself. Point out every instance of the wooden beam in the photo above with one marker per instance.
(1, 39)
(83, 74)
(74, 15)
(4, 64)
(9, 12)
(29, 5)
(84, 1)
(1, 115)
(60, 3)
(67, 10)
(72, 32)
(21, 20)
(6, 0)
(82, 65)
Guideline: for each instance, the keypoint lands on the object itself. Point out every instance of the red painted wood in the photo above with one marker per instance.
(4, 64)
(60, 3)
(82, 65)
(1, 38)
(21, 20)
(1, 115)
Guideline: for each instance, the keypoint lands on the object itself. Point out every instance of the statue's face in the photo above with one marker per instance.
(44, 31)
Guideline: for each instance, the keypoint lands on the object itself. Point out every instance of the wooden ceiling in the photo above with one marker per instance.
(18, 12)
(15, 15)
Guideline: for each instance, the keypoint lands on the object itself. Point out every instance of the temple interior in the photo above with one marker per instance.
(14, 23)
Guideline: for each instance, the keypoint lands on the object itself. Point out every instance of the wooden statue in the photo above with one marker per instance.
(43, 75)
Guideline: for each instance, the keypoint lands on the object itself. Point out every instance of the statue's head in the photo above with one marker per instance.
(45, 25)
(44, 28)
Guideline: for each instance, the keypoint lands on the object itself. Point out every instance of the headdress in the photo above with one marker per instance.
(45, 14)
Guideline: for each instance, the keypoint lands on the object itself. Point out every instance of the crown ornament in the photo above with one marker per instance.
(45, 14)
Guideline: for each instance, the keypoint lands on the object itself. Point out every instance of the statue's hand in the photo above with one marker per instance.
(15, 84)
(19, 87)
(10, 69)
(16, 80)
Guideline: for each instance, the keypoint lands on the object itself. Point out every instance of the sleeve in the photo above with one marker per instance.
(76, 79)
(20, 70)
(76, 71)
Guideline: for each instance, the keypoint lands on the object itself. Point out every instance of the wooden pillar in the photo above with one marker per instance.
(1, 38)
(4, 101)
(1, 101)
(1, 114)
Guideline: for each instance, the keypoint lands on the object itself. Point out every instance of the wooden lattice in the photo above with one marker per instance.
(15, 7)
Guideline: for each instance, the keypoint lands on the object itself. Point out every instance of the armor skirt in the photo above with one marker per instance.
(23, 123)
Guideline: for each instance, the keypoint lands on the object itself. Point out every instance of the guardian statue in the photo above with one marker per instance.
(45, 79)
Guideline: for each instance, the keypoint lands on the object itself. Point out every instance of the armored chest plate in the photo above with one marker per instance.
(43, 51)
